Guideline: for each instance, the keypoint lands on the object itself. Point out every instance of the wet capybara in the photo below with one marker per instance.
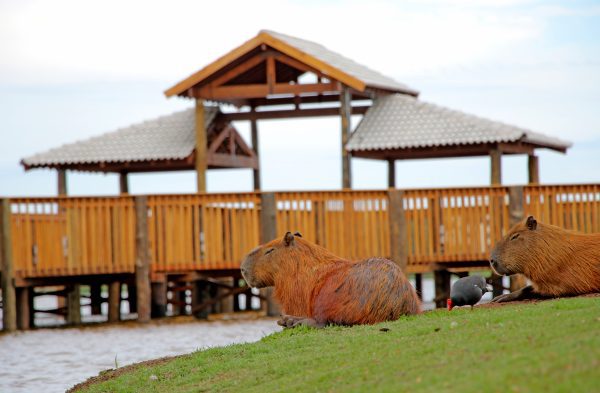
(315, 287)
(556, 261)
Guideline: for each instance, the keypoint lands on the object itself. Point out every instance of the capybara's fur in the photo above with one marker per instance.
(312, 282)
(558, 262)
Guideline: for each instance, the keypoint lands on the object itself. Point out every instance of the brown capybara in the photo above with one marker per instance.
(556, 261)
(315, 287)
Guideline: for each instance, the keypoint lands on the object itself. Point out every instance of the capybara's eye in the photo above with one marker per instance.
(269, 250)
(513, 237)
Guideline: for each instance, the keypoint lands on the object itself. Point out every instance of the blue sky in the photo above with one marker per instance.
(70, 70)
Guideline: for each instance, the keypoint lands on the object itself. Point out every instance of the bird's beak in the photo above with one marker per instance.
(489, 288)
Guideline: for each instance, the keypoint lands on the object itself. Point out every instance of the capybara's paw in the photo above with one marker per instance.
(502, 298)
(290, 321)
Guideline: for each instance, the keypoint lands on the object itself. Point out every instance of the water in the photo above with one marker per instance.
(53, 360)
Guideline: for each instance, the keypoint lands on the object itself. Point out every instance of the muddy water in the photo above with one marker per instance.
(52, 360)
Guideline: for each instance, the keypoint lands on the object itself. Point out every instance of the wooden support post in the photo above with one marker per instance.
(419, 285)
(533, 169)
(201, 163)
(226, 304)
(200, 293)
(96, 298)
(268, 232)
(114, 301)
(62, 182)
(345, 113)
(496, 167)
(142, 259)
(74, 305)
(442, 287)
(398, 235)
(391, 173)
(159, 299)
(516, 212)
(255, 172)
(23, 308)
(9, 301)
(132, 298)
(123, 183)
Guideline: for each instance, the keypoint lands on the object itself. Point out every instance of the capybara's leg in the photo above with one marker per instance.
(290, 321)
(522, 294)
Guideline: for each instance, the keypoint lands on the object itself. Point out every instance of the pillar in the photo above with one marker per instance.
(268, 232)
(23, 308)
(74, 304)
(397, 222)
(391, 173)
(96, 298)
(496, 167)
(9, 301)
(515, 214)
(442, 287)
(114, 301)
(159, 299)
(533, 169)
(62, 182)
(142, 259)
(419, 285)
(254, 132)
(123, 183)
(201, 164)
(345, 113)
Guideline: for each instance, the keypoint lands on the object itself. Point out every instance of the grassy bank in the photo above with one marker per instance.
(546, 346)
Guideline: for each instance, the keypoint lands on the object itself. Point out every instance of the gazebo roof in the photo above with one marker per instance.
(165, 143)
(399, 126)
(293, 57)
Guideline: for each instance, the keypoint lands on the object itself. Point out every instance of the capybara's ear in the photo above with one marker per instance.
(298, 234)
(288, 239)
(531, 223)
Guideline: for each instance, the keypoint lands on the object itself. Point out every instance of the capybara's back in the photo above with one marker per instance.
(365, 292)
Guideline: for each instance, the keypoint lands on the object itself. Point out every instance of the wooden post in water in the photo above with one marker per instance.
(201, 138)
(254, 132)
(345, 113)
(142, 259)
(397, 222)
(9, 302)
(442, 287)
(391, 173)
(516, 213)
(23, 310)
(268, 232)
(114, 301)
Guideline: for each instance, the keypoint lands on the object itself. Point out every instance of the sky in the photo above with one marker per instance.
(70, 70)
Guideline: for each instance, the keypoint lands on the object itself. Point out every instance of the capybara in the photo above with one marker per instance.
(556, 261)
(315, 287)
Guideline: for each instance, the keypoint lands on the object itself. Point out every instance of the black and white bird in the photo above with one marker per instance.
(467, 291)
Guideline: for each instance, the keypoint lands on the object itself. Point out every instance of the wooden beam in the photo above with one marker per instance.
(201, 138)
(62, 182)
(159, 299)
(442, 287)
(398, 234)
(142, 259)
(391, 173)
(533, 169)
(114, 301)
(345, 113)
(9, 301)
(96, 298)
(24, 309)
(210, 92)
(74, 305)
(238, 70)
(496, 167)
(255, 171)
(219, 160)
(271, 76)
(291, 113)
(123, 183)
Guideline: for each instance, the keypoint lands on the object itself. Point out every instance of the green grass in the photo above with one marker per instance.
(551, 346)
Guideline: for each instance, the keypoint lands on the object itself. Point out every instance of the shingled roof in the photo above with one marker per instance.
(331, 64)
(399, 122)
(166, 138)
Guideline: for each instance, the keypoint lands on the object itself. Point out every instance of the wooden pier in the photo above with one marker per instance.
(185, 250)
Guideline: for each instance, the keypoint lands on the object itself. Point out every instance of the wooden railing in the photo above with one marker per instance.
(81, 236)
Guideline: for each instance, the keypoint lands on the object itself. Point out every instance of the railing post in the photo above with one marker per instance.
(516, 212)
(9, 300)
(398, 235)
(142, 259)
(268, 232)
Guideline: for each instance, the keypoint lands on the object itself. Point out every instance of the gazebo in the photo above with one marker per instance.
(399, 127)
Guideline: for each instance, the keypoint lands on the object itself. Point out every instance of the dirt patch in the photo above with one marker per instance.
(114, 373)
